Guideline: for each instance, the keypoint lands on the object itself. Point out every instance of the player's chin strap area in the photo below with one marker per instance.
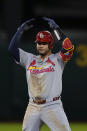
(39, 100)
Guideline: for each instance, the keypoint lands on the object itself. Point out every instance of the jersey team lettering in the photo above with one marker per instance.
(36, 71)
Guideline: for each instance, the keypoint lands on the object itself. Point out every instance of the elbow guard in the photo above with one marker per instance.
(67, 50)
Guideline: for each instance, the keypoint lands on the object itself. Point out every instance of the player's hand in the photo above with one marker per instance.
(27, 25)
(51, 23)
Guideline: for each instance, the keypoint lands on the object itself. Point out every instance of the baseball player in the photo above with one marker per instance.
(44, 77)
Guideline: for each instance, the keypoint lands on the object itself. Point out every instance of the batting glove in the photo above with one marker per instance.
(27, 25)
(51, 23)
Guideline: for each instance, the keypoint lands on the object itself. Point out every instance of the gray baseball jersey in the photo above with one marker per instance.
(44, 78)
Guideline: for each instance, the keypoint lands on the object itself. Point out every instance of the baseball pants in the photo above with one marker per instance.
(51, 114)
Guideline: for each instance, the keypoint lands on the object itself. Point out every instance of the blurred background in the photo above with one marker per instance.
(71, 16)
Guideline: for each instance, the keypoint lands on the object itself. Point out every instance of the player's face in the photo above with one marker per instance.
(43, 48)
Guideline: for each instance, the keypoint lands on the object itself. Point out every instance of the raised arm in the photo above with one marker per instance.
(14, 44)
(66, 51)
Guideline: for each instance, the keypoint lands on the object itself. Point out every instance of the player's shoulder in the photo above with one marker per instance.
(23, 52)
(54, 56)
(57, 56)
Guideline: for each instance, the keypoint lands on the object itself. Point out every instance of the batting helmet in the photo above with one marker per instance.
(45, 36)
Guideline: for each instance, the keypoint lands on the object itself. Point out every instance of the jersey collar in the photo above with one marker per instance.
(40, 61)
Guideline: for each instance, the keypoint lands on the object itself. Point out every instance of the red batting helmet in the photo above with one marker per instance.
(45, 36)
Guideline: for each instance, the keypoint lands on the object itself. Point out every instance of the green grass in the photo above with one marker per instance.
(78, 126)
(18, 127)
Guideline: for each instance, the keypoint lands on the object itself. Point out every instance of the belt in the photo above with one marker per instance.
(38, 100)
